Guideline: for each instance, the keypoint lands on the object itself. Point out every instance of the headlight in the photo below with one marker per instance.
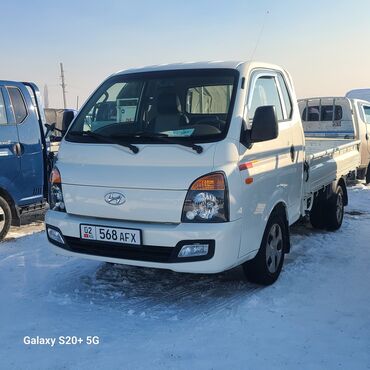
(56, 200)
(207, 200)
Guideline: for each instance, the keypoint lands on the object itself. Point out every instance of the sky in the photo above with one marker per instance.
(323, 44)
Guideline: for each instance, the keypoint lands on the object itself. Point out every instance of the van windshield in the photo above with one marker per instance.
(186, 105)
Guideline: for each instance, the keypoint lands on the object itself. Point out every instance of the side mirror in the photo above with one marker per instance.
(264, 126)
(68, 117)
(49, 128)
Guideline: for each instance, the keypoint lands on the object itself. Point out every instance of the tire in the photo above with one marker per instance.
(367, 178)
(317, 213)
(265, 268)
(5, 218)
(335, 210)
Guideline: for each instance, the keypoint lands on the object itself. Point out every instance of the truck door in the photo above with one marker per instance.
(269, 167)
(9, 160)
(295, 168)
(29, 145)
(270, 88)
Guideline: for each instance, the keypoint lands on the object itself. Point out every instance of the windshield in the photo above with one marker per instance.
(186, 105)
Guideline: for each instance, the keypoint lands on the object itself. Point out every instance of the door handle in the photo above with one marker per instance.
(18, 149)
(367, 136)
(292, 153)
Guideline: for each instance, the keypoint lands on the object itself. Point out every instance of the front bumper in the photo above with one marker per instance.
(160, 243)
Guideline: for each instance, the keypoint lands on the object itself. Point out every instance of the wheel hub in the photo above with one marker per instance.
(339, 210)
(2, 219)
(274, 248)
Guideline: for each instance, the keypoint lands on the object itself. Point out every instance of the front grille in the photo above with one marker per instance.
(129, 252)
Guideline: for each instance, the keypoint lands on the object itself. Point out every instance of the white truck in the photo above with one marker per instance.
(193, 167)
(341, 119)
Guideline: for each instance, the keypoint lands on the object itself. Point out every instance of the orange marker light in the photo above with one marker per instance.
(249, 180)
(210, 182)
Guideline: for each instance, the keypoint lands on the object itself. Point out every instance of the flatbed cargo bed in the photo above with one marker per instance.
(328, 160)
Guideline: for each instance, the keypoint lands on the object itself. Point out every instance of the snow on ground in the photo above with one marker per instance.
(17, 232)
(317, 315)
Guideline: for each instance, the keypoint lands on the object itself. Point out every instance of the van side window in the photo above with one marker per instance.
(367, 113)
(265, 93)
(3, 117)
(19, 106)
(286, 96)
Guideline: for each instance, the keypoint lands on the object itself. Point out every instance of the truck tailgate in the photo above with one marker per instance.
(328, 160)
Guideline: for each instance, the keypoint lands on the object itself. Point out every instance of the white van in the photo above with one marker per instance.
(193, 167)
(360, 94)
(341, 118)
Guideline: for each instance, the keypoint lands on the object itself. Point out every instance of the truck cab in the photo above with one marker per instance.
(23, 157)
(193, 167)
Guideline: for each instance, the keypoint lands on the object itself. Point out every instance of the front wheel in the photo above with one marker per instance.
(5, 218)
(265, 268)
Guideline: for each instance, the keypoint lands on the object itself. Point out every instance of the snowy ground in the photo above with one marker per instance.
(317, 316)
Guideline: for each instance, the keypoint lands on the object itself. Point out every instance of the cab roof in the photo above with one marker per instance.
(185, 65)
(237, 65)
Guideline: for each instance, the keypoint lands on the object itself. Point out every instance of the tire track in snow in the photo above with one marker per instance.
(159, 293)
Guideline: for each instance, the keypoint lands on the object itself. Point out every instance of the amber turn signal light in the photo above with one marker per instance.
(210, 182)
(55, 176)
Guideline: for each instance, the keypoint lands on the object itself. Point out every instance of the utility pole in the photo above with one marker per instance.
(63, 85)
(46, 96)
(77, 103)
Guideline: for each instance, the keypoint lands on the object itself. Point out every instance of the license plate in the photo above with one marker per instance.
(111, 234)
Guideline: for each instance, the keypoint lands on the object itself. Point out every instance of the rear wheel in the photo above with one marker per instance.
(5, 218)
(335, 209)
(265, 268)
(317, 213)
(367, 178)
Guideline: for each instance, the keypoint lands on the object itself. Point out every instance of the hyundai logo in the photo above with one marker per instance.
(115, 198)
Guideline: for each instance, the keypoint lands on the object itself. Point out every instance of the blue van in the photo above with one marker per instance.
(23, 154)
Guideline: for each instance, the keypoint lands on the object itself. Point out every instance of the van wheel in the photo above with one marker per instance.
(317, 213)
(265, 268)
(5, 218)
(367, 179)
(335, 210)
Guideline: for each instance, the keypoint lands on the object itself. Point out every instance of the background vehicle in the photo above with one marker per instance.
(194, 167)
(342, 119)
(60, 120)
(360, 94)
(23, 155)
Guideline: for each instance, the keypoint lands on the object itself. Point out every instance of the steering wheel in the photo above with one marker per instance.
(212, 121)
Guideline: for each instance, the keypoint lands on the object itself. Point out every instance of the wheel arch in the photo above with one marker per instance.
(342, 183)
(281, 210)
(4, 194)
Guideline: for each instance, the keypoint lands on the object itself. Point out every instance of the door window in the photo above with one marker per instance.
(3, 117)
(367, 113)
(19, 106)
(265, 92)
(286, 96)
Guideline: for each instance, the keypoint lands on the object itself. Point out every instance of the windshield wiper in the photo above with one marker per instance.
(165, 138)
(105, 139)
